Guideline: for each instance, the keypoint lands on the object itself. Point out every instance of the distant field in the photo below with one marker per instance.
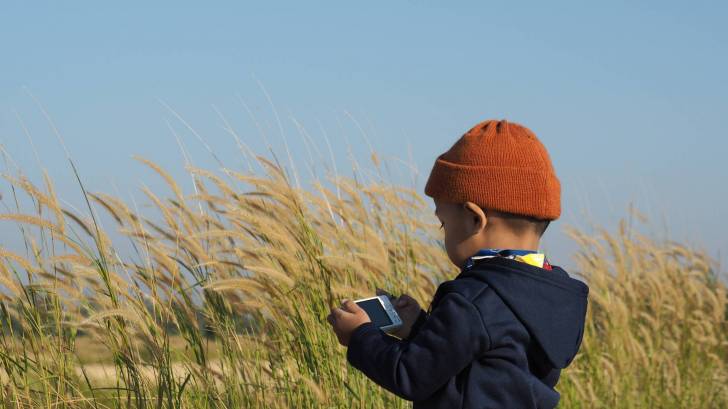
(224, 303)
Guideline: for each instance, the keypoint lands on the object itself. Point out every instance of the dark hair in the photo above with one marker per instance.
(521, 224)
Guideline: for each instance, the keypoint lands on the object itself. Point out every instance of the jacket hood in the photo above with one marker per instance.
(549, 303)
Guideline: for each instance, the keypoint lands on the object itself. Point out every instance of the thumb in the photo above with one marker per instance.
(379, 291)
(351, 306)
(405, 300)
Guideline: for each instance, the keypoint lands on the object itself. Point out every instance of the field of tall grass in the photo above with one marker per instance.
(222, 302)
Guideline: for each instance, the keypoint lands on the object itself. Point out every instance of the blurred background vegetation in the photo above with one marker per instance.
(223, 302)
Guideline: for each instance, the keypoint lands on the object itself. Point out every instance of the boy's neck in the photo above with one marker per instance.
(516, 243)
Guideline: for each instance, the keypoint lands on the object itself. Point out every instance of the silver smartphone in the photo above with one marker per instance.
(381, 312)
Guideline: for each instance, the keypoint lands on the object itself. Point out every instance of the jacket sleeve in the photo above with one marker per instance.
(447, 341)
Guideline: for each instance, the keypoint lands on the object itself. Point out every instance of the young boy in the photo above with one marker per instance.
(498, 335)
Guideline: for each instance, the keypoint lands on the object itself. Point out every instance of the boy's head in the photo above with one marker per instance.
(494, 188)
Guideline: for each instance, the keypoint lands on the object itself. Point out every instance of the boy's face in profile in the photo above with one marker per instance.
(464, 224)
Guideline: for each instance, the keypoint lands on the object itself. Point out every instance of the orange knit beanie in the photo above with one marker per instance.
(498, 165)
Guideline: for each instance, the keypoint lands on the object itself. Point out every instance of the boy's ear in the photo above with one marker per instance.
(480, 220)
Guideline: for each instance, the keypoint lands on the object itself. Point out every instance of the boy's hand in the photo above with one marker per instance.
(408, 310)
(346, 319)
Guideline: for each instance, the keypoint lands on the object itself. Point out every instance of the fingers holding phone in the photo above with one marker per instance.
(408, 310)
(345, 319)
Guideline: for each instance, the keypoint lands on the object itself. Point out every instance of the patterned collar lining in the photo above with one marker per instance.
(531, 257)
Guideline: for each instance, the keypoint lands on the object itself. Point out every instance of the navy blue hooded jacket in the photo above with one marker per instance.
(496, 336)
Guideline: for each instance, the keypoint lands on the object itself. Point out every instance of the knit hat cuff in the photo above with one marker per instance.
(516, 190)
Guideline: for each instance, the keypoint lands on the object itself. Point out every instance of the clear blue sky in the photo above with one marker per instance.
(630, 99)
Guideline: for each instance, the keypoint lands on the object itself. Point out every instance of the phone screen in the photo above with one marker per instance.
(376, 312)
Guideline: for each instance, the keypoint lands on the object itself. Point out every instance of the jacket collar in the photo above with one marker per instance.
(493, 252)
